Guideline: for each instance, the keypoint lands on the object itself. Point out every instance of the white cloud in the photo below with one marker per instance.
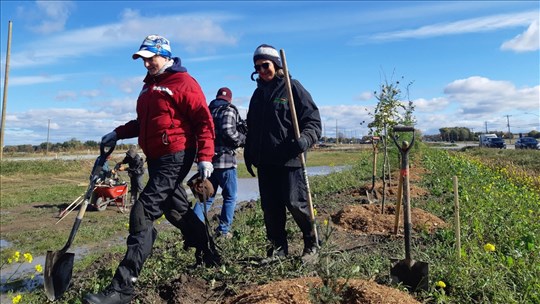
(30, 127)
(482, 95)
(91, 93)
(475, 25)
(53, 16)
(187, 32)
(364, 96)
(525, 42)
(66, 95)
(30, 80)
(430, 105)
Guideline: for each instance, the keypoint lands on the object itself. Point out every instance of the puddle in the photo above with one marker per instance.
(4, 244)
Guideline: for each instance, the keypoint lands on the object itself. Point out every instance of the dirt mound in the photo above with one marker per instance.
(368, 219)
(296, 291)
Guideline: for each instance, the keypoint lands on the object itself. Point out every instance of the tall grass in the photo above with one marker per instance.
(496, 211)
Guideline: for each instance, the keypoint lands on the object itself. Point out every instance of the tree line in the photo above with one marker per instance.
(67, 146)
(466, 134)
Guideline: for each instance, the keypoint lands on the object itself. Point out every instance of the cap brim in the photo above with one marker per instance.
(144, 54)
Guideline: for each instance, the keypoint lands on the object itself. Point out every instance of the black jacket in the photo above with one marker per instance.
(270, 139)
(135, 164)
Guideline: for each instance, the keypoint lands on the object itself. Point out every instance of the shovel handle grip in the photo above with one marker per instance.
(403, 129)
(406, 147)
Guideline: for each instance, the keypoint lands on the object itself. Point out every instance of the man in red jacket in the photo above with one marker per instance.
(174, 128)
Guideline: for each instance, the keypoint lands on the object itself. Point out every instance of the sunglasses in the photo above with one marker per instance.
(265, 66)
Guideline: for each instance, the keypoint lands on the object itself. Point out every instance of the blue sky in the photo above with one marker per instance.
(472, 64)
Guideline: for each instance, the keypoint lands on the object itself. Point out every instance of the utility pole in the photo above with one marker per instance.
(48, 128)
(337, 136)
(486, 126)
(4, 102)
(508, 125)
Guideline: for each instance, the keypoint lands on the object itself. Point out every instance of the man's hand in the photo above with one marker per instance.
(109, 140)
(205, 169)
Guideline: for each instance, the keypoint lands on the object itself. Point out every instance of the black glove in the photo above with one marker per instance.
(303, 144)
(250, 169)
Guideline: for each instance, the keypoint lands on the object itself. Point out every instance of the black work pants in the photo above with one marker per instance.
(163, 194)
(284, 188)
(136, 184)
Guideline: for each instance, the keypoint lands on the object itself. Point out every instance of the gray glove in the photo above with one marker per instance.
(205, 169)
(109, 140)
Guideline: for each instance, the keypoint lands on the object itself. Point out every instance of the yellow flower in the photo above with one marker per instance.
(10, 260)
(440, 284)
(16, 256)
(28, 257)
(314, 212)
(489, 247)
(325, 222)
(16, 299)
(39, 268)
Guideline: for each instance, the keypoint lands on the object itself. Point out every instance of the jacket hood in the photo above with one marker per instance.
(177, 66)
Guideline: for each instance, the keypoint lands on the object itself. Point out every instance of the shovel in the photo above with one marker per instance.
(412, 274)
(59, 264)
(297, 136)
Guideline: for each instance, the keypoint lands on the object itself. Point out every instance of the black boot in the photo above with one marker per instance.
(207, 258)
(311, 250)
(275, 253)
(108, 296)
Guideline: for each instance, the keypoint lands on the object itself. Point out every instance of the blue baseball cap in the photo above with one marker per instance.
(154, 45)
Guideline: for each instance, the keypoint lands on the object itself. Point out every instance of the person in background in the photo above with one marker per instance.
(228, 138)
(135, 170)
(174, 127)
(272, 148)
(106, 171)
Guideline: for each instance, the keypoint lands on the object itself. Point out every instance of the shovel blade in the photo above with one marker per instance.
(57, 274)
(410, 273)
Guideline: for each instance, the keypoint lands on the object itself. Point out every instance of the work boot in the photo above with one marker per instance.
(310, 254)
(108, 296)
(223, 235)
(207, 258)
(275, 254)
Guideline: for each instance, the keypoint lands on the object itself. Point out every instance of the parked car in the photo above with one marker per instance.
(496, 142)
(526, 143)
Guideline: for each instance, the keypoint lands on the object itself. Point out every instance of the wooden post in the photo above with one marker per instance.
(456, 216)
(4, 102)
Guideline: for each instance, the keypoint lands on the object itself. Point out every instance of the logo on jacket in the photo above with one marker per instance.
(281, 100)
(163, 89)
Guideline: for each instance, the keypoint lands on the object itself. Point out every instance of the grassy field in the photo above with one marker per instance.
(500, 227)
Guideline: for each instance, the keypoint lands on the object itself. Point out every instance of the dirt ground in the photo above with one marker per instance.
(356, 222)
